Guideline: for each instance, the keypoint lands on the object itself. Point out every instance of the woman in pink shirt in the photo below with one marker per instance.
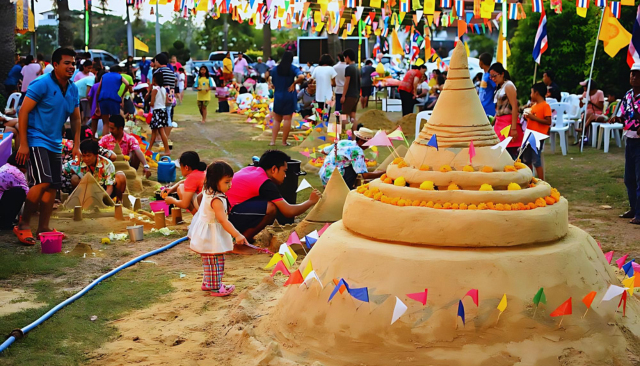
(30, 72)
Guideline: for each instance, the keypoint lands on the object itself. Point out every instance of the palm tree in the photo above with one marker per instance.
(7, 43)
(65, 34)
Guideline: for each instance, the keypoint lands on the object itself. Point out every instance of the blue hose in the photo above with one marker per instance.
(28, 328)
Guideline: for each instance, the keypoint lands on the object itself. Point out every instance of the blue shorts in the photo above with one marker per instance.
(109, 107)
(248, 214)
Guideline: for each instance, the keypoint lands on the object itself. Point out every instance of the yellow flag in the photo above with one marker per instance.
(629, 283)
(466, 46)
(415, 4)
(375, 3)
(152, 2)
(582, 12)
(429, 6)
(293, 254)
(396, 47)
(401, 17)
(505, 131)
(613, 35)
(500, 45)
(163, 2)
(627, 2)
(503, 303)
(274, 260)
(419, 62)
(486, 9)
(139, 45)
(307, 269)
(319, 26)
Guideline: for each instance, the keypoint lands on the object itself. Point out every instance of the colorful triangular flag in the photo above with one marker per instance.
(564, 309)
(295, 278)
(399, 309)
(473, 294)
(540, 297)
(461, 311)
(280, 267)
(420, 297)
(502, 306)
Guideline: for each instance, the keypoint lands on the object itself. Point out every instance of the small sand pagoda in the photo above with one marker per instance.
(134, 181)
(89, 195)
(437, 222)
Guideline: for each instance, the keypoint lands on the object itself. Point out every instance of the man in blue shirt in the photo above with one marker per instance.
(50, 100)
(14, 77)
(144, 65)
(487, 86)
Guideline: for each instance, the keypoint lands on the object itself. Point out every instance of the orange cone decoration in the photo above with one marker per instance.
(295, 278)
(587, 300)
(280, 267)
(564, 309)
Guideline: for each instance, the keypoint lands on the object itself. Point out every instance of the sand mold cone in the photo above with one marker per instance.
(89, 195)
(426, 226)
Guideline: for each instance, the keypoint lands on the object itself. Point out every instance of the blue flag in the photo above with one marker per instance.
(323, 138)
(461, 311)
(361, 294)
(628, 268)
(532, 142)
(309, 241)
(337, 288)
(433, 141)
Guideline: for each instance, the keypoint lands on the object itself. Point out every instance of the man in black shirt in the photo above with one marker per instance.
(553, 90)
(351, 93)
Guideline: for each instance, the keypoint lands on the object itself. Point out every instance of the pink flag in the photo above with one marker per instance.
(472, 153)
(293, 239)
(608, 256)
(419, 296)
(620, 261)
(305, 153)
(280, 267)
(635, 266)
(324, 228)
(473, 293)
(380, 139)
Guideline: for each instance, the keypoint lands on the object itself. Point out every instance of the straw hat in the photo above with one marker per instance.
(364, 133)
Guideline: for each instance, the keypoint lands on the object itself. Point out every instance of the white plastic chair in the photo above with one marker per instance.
(559, 126)
(595, 128)
(564, 97)
(551, 100)
(610, 130)
(12, 102)
(422, 115)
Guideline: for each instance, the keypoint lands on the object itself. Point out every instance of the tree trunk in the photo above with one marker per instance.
(266, 41)
(65, 34)
(333, 45)
(7, 42)
(90, 30)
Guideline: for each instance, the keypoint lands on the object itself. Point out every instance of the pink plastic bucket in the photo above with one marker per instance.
(51, 242)
(159, 206)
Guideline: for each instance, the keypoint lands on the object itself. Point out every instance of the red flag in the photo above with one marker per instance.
(624, 307)
(564, 309)
(295, 278)
(419, 296)
(587, 300)
(280, 267)
(473, 294)
(472, 153)
(343, 288)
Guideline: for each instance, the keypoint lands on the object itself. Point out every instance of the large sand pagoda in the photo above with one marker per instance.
(448, 232)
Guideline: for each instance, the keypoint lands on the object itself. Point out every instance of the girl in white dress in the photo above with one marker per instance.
(211, 233)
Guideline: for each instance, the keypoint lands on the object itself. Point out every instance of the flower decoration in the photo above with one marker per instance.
(424, 168)
(445, 168)
(487, 169)
(509, 168)
(513, 187)
(427, 186)
(400, 182)
(518, 165)
(453, 187)
(486, 187)
(468, 168)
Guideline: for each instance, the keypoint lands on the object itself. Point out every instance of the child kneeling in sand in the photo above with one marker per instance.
(211, 233)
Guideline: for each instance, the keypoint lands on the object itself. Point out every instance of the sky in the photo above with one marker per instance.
(117, 8)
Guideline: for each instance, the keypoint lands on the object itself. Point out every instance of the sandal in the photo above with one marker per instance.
(224, 290)
(205, 288)
(25, 236)
(286, 144)
(635, 221)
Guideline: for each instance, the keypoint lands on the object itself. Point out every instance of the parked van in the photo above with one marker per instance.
(107, 58)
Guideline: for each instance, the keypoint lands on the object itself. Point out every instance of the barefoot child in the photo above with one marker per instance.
(204, 84)
(211, 233)
(160, 118)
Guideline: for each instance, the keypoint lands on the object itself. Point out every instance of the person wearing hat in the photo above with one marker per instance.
(629, 116)
(348, 158)
(595, 103)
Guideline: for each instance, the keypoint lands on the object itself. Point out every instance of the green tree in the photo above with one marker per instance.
(178, 49)
(481, 44)
(240, 36)
(571, 41)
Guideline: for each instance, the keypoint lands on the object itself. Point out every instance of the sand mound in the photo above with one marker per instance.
(408, 124)
(376, 120)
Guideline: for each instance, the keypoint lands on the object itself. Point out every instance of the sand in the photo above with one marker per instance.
(376, 120)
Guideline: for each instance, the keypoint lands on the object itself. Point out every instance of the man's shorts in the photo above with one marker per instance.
(204, 103)
(85, 108)
(44, 166)
(529, 157)
(248, 214)
(366, 91)
(128, 106)
(350, 105)
(109, 107)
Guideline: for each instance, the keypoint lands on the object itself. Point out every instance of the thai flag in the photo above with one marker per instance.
(445, 4)
(351, 4)
(615, 10)
(513, 11)
(582, 4)
(540, 44)
(601, 3)
(498, 1)
(376, 47)
(404, 6)
(415, 47)
(460, 8)
(537, 6)
(634, 46)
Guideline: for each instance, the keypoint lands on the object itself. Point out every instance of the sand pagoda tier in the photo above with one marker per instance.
(437, 221)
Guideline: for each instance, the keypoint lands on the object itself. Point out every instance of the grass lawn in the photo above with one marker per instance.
(592, 182)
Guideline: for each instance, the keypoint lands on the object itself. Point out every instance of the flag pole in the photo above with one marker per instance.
(535, 72)
(593, 60)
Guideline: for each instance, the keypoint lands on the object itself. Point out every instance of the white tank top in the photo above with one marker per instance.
(161, 98)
